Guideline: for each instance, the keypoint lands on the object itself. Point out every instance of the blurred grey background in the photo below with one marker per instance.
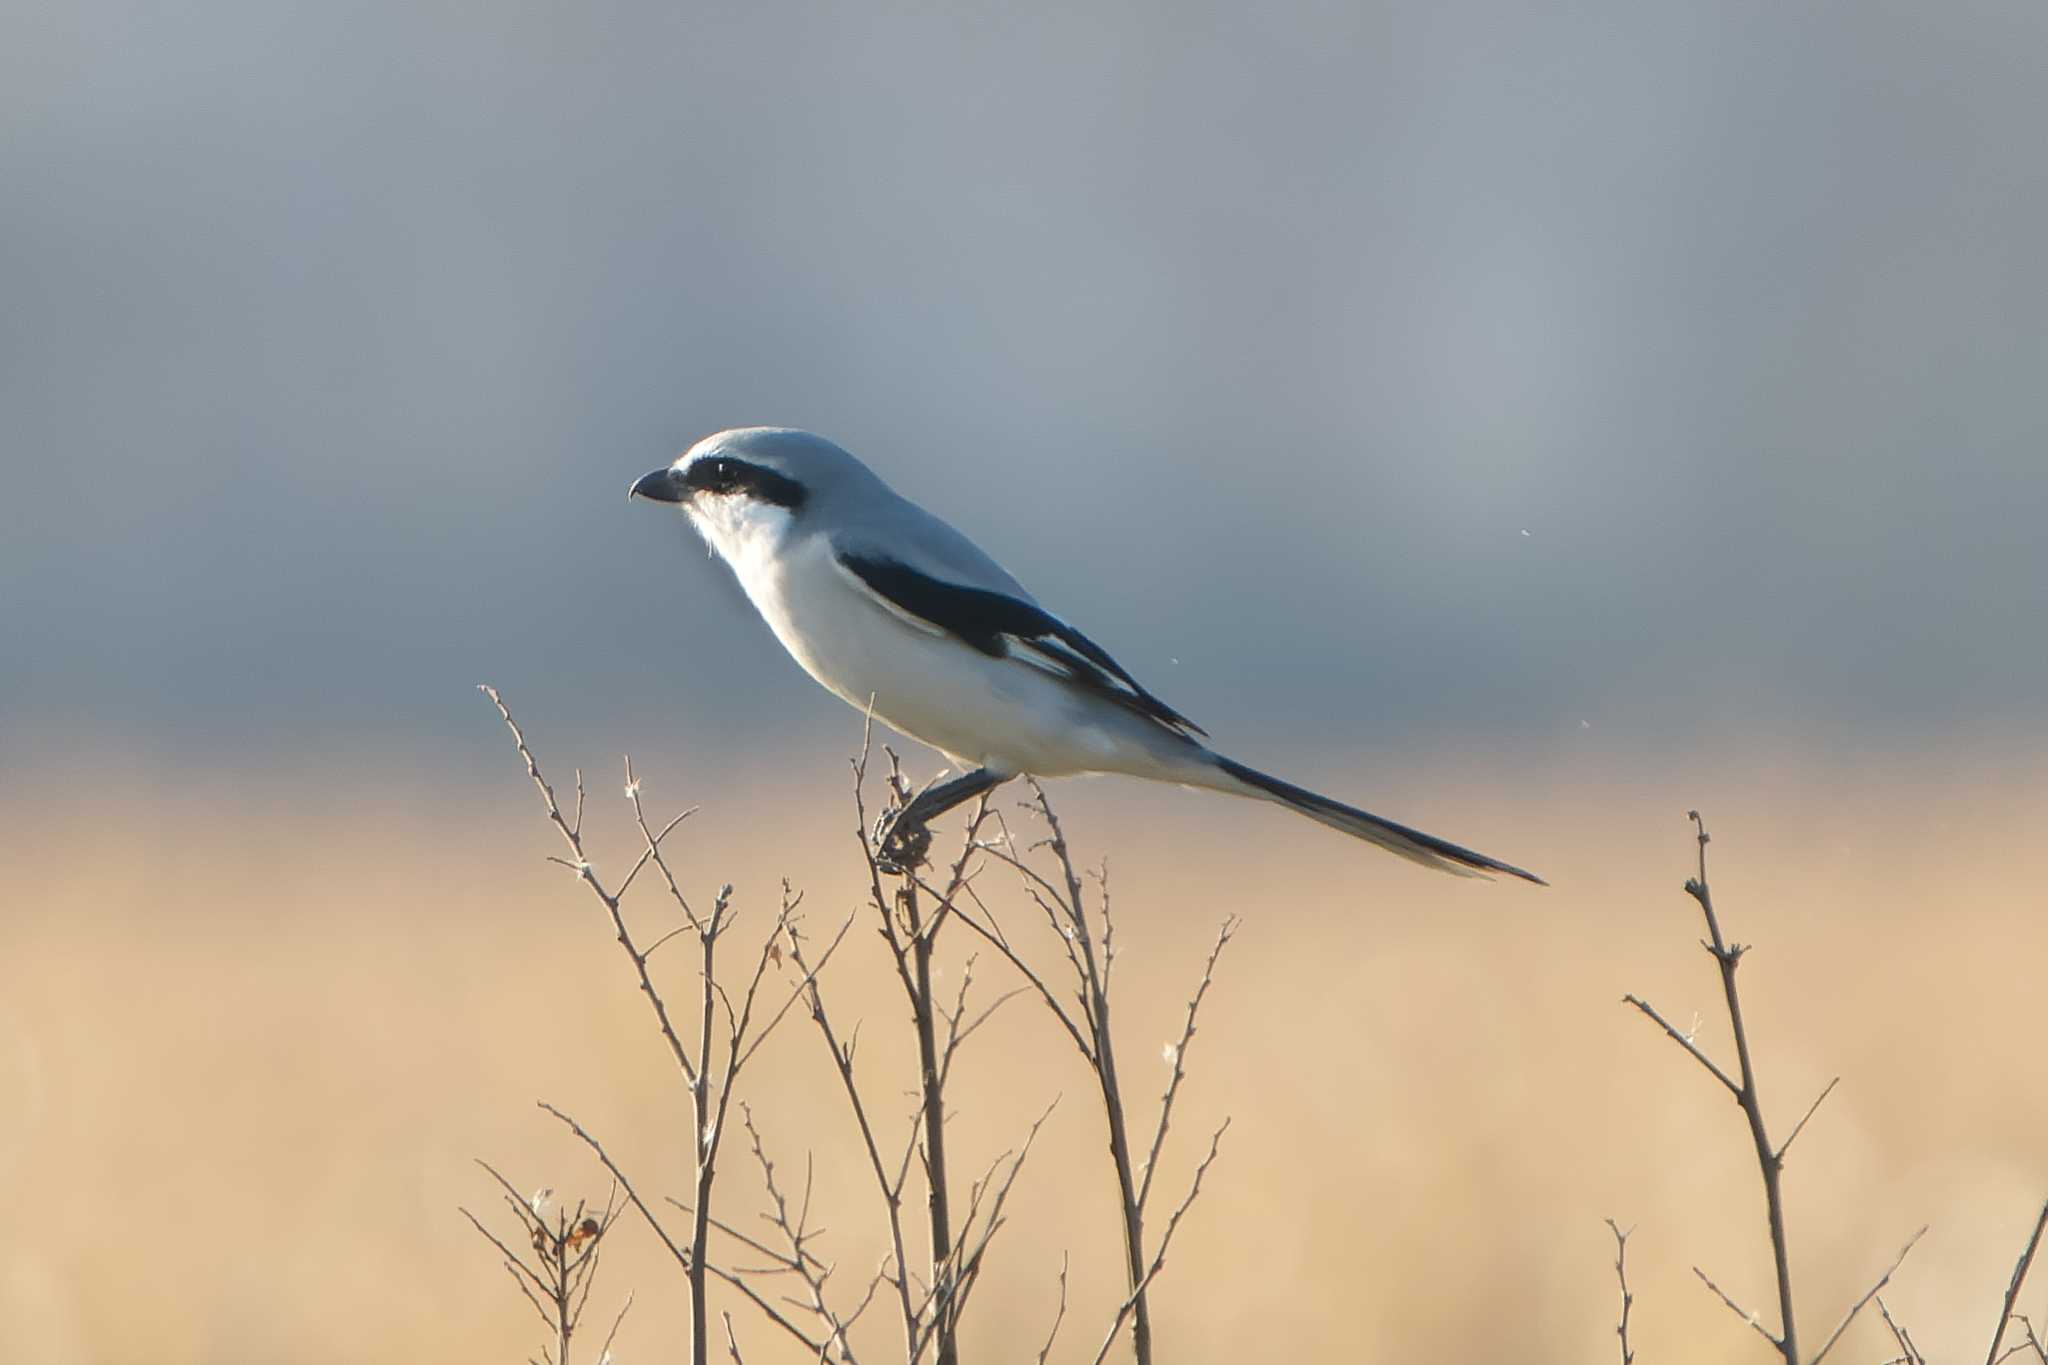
(1451, 374)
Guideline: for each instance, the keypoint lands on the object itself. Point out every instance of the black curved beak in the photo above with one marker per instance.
(663, 485)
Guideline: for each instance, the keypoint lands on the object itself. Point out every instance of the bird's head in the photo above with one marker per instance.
(746, 487)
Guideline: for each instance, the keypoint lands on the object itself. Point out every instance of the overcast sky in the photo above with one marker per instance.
(1359, 374)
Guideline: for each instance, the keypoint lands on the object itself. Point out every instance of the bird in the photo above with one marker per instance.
(903, 617)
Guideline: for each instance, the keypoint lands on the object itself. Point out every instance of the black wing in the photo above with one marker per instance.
(999, 626)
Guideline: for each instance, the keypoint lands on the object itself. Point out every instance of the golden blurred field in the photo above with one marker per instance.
(255, 1025)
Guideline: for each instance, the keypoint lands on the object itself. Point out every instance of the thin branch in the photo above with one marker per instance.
(1743, 1086)
(961, 1034)
(653, 840)
(2012, 1288)
(1738, 1310)
(796, 993)
(1811, 1109)
(1165, 1241)
(937, 1196)
(653, 848)
(2032, 1342)
(1068, 912)
(604, 1352)
(995, 937)
(512, 1261)
(681, 1254)
(795, 1233)
(1727, 957)
(968, 1274)
(842, 1062)
(1868, 1295)
(1685, 1041)
(547, 1318)
(1180, 1056)
(1909, 1354)
(912, 953)
(1627, 1299)
(783, 1264)
(581, 866)
(1059, 1314)
(676, 932)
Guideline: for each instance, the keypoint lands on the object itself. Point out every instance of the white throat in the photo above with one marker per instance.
(745, 532)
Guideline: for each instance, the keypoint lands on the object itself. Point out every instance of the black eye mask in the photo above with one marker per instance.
(724, 475)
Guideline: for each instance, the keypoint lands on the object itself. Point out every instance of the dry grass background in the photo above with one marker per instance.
(254, 1025)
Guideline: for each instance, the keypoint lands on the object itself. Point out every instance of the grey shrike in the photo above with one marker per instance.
(892, 609)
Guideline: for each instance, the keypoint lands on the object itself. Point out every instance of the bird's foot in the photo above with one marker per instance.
(902, 843)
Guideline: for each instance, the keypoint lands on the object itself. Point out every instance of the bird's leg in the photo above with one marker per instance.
(902, 840)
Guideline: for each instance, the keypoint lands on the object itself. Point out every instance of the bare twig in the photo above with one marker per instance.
(556, 1276)
(779, 1262)
(910, 927)
(711, 1067)
(604, 1352)
(682, 1254)
(1909, 1354)
(987, 927)
(713, 1043)
(2012, 1288)
(1868, 1295)
(890, 1189)
(1747, 1315)
(974, 1245)
(573, 836)
(1158, 1264)
(1727, 957)
(1811, 1109)
(1743, 1086)
(2029, 1342)
(1180, 1057)
(795, 1232)
(1091, 971)
(1059, 1314)
(1627, 1299)
(1091, 957)
(1685, 1041)
(938, 1203)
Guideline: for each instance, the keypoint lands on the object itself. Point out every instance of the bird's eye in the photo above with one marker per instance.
(724, 476)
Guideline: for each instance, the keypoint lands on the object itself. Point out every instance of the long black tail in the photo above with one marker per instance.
(1411, 844)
